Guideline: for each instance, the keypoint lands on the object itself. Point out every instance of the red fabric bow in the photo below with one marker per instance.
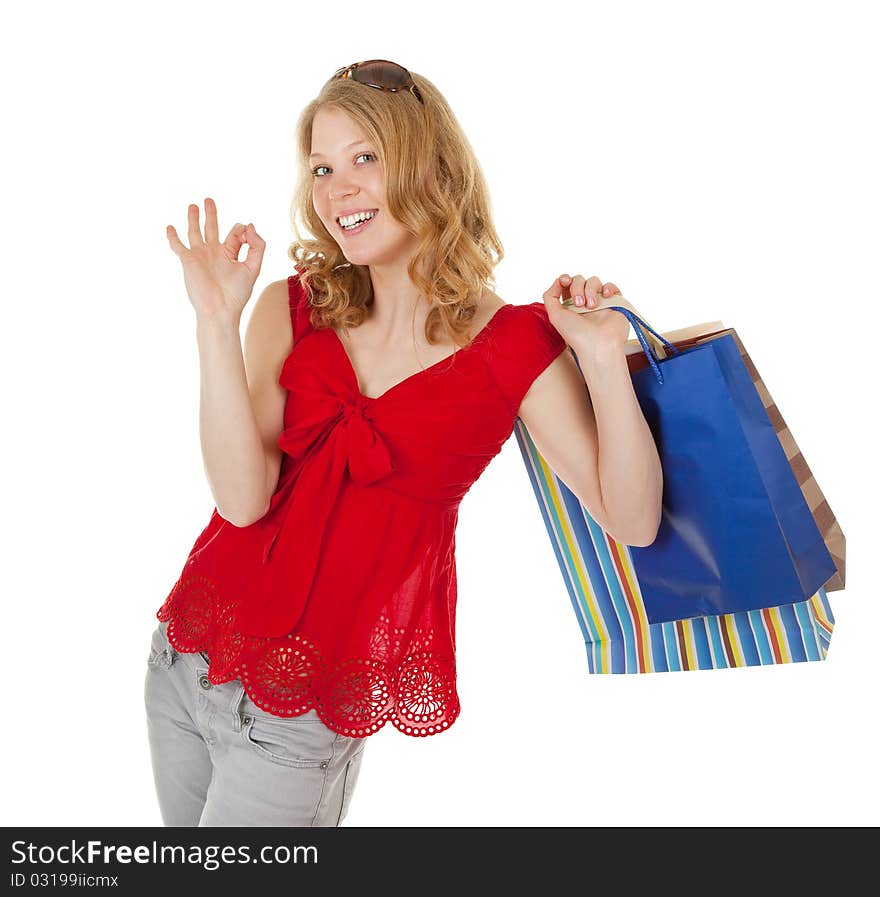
(293, 528)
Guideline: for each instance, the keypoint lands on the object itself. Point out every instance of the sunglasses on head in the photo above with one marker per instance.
(381, 74)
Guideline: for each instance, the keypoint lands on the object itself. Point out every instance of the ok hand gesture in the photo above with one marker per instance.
(216, 281)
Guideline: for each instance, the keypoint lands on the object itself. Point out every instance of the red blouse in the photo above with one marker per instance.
(342, 596)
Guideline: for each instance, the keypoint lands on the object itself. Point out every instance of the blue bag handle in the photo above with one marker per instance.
(637, 325)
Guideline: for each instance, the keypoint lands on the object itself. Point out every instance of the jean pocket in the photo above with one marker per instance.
(299, 741)
(161, 654)
(352, 771)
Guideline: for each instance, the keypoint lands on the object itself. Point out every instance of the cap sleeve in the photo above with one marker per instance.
(300, 309)
(522, 350)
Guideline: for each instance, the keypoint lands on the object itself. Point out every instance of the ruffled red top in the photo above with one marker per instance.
(342, 596)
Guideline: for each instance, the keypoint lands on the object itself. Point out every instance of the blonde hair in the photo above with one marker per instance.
(434, 187)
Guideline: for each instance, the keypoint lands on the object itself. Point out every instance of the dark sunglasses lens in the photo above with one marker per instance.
(386, 74)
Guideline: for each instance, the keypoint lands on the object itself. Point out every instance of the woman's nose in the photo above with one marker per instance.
(338, 192)
(342, 187)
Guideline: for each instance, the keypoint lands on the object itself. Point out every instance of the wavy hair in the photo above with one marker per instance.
(434, 187)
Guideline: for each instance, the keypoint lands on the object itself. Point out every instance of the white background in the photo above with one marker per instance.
(714, 161)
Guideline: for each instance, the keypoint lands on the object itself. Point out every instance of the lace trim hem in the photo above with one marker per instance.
(288, 676)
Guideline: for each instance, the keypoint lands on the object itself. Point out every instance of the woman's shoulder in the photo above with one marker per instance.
(520, 347)
(272, 307)
(520, 316)
(491, 301)
(519, 322)
(489, 306)
(279, 319)
(523, 325)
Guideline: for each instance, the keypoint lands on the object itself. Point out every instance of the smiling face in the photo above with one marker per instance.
(347, 175)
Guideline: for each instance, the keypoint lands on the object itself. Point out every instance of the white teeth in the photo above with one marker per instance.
(349, 220)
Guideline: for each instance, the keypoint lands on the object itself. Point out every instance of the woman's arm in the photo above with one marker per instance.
(630, 472)
(591, 431)
(239, 469)
(590, 427)
(242, 405)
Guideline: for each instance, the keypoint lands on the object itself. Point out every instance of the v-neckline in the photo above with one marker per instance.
(354, 377)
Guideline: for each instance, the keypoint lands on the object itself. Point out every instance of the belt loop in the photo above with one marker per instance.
(236, 708)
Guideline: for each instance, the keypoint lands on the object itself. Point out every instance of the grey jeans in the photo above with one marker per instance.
(220, 760)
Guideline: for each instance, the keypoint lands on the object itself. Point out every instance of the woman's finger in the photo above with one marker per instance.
(234, 240)
(577, 290)
(558, 288)
(593, 286)
(211, 229)
(174, 240)
(193, 231)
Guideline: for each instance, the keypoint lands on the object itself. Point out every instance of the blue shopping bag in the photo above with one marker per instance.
(736, 531)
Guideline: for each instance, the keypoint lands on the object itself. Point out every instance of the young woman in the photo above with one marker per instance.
(375, 386)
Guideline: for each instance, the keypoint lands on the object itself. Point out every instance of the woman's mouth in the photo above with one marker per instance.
(359, 227)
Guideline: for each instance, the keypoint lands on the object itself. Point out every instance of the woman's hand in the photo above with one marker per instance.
(216, 281)
(596, 330)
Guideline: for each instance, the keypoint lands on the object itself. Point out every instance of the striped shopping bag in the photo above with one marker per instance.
(602, 580)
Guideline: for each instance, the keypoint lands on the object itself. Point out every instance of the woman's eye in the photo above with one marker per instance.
(318, 167)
